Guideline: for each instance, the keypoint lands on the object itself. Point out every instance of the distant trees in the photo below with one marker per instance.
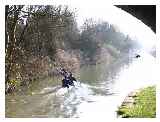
(88, 38)
(96, 35)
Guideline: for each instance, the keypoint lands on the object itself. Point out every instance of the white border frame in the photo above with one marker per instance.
(51, 2)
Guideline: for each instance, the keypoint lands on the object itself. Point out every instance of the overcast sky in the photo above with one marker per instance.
(102, 11)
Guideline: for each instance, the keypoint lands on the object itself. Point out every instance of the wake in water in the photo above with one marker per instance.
(67, 99)
(59, 90)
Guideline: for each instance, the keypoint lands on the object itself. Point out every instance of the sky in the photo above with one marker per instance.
(127, 23)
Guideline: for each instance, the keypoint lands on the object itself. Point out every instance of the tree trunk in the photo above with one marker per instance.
(11, 44)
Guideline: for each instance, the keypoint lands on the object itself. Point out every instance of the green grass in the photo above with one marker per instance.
(144, 106)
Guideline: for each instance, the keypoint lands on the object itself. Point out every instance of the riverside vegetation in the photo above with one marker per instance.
(40, 39)
(143, 105)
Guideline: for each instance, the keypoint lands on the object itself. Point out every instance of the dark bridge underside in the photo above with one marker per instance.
(146, 13)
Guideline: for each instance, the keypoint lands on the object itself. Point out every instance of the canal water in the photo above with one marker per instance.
(99, 91)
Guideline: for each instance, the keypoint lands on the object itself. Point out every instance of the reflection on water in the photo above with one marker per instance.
(101, 89)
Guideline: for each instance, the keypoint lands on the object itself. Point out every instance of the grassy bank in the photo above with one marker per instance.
(144, 105)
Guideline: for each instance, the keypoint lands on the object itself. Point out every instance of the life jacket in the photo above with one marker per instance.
(65, 83)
